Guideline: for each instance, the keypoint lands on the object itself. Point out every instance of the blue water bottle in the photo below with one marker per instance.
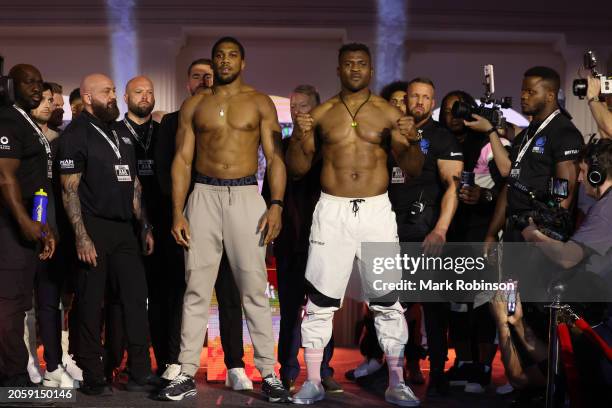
(39, 209)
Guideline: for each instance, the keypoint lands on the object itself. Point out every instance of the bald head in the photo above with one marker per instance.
(99, 97)
(139, 98)
(28, 85)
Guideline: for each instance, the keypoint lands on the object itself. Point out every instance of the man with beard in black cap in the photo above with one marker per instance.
(103, 197)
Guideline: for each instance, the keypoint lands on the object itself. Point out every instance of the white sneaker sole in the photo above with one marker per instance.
(180, 397)
(403, 403)
(308, 401)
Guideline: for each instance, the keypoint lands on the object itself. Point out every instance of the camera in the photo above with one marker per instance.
(493, 112)
(7, 92)
(551, 219)
(579, 86)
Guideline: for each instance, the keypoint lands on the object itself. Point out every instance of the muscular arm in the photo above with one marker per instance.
(183, 158)
(86, 251)
(11, 193)
(450, 173)
(273, 149)
(568, 170)
(408, 156)
(301, 149)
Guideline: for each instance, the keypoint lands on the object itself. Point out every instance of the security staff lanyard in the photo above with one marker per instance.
(114, 146)
(525, 144)
(43, 140)
(147, 142)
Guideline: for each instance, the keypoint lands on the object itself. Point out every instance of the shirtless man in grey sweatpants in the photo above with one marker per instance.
(226, 125)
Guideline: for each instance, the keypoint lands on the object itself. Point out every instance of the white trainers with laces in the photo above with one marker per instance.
(71, 367)
(33, 371)
(309, 393)
(367, 368)
(237, 379)
(59, 378)
(402, 396)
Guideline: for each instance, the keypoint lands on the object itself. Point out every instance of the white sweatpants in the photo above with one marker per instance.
(339, 226)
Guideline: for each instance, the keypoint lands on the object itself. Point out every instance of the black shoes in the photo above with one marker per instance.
(274, 390)
(459, 374)
(148, 384)
(331, 386)
(438, 385)
(183, 386)
(96, 388)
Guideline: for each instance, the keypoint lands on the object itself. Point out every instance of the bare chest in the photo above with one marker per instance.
(340, 126)
(216, 114)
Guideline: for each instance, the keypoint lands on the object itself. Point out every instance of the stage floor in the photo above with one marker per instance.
(216, 395)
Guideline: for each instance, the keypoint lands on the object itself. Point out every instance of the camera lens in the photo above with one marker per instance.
(579, 87)
(461, 110)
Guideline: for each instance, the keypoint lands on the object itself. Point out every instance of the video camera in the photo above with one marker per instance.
(7, 91)
(579, 86)
(551, 219)
(493, 113)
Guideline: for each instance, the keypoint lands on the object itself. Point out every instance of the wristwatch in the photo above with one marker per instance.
(147, 227)
(277, 202)
(593, 99)
(488, 132)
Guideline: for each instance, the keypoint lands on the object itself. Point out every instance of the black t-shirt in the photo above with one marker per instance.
(106, 189)
(144, 143)
(164, 151)
(19, 140)
(559, 141)
(437, 144)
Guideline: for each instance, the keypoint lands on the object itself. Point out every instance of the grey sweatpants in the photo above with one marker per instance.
(225, 216)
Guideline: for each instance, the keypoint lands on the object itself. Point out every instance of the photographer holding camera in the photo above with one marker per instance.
(599, 109)
(547, 148)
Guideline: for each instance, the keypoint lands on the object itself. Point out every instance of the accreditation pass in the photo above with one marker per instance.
(36, 394)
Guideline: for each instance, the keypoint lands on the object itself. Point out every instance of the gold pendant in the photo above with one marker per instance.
(354, 124)
(221, 113)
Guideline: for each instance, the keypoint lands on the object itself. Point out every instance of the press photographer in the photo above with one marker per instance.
(597, 89)
(25, 168)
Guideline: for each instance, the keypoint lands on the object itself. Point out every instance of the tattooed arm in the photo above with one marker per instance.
(86, 250)
(141, 215)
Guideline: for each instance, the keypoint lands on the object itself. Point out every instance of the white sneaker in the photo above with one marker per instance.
(33, 371)
(237, 379)
(309, 393)
(58, 379)
(504, 389)
(71, 367)
(172, 371)
(402, 395)
(367, 367)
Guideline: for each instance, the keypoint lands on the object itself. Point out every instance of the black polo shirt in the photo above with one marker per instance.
(437, 144)
(83, 149)
(19, 140)
(144, 141)
(559, 141)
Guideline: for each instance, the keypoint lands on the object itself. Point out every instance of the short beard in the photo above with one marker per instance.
(419, 118)
(56, 119)
(536, 109)
(225, 81)
(140, 111)
(106, 113)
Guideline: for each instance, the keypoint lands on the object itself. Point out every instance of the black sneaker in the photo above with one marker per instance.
(331, 386)
(96, 388)
(479, 379)
(183, 386)
(148, 384)
(438, 385)
(273, 388)
(459, 374)
(289, 384)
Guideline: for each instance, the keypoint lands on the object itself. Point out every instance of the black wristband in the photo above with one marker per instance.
(278, 202)
(488, 132)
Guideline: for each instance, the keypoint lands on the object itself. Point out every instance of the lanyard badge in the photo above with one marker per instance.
(43, 140)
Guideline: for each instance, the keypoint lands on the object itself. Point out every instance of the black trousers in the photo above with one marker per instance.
(18, 262)
(166, 287)
(120, 264)
(49, 282)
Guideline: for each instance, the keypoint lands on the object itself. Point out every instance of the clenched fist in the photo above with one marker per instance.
(304, 122)
(407, 128)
